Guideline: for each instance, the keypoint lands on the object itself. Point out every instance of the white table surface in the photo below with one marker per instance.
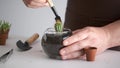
(36, 58)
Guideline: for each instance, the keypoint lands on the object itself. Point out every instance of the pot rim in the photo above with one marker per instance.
(52, 31)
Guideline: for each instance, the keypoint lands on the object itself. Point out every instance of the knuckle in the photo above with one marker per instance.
(83, 44)
(90, 29)
(31, 3)
(72, 56)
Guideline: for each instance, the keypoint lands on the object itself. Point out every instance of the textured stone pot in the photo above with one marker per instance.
(52, 42)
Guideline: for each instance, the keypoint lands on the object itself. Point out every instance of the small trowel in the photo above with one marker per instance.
(26, 45)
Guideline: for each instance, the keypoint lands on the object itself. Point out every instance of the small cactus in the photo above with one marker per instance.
(58, 25)
(4, 26)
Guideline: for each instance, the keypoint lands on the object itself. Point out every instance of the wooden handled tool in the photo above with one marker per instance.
(26, 45)
(50, 2)
(58, 25)
(32, 38)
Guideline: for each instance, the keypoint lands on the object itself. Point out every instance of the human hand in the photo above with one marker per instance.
(87, 37)
(35, 3)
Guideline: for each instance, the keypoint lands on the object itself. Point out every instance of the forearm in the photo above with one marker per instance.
(113, 30)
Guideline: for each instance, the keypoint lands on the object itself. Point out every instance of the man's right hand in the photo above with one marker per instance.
(35, 3)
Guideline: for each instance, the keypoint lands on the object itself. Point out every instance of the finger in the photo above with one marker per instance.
(26, 2)
(72, 55)
(76, 37)
(34, 4)
(75, 47)
(83, 57)
(76, 31)
(44, 2)
(40, 1)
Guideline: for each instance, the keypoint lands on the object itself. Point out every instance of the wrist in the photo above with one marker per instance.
(113, 32)
(108, 37)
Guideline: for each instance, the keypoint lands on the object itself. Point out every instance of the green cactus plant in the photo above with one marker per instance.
(4, 26)
(58, 25)
(4, 31)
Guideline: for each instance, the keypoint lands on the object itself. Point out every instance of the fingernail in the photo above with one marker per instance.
(63, 52)
(66, 43)
(64, 57)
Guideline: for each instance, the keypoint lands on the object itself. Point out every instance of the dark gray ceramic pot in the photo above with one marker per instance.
(52, 42)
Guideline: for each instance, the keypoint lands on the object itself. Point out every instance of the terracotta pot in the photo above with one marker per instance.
(91, 53)
(52, 42)
(7, 33)
(3, 38)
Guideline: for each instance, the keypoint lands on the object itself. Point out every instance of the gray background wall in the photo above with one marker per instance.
(26, 21)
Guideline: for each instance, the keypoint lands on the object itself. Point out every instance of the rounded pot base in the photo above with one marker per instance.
(55, 57)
